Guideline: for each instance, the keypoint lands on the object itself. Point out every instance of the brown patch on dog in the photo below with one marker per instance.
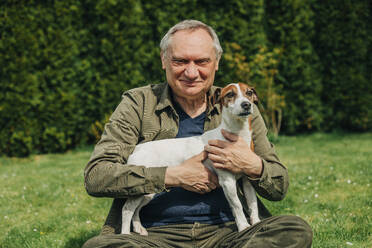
(249, 92)
(228, 94)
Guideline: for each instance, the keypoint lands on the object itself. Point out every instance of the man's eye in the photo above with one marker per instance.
(202, 62)
(179, 61)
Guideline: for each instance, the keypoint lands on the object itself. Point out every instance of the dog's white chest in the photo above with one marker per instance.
(168, 152)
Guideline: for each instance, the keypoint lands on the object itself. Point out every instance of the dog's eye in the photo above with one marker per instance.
(249, 93)
(231, 94)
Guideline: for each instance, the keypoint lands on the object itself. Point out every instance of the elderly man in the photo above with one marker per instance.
(190, 209)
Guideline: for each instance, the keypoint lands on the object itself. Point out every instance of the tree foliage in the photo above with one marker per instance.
(65, 64)
(260, 72)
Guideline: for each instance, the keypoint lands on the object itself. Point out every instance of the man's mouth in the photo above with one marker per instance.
(188, 82)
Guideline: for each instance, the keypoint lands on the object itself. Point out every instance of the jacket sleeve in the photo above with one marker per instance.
(107, 174)
(274, 181)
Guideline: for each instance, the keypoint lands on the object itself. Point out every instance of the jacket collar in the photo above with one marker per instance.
(212, 108)
(165, 99)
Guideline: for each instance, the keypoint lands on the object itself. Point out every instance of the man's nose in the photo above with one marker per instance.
(191, 71)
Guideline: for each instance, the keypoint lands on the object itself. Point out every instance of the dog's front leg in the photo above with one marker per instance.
(251, 198)
(228, 183)
(127, 213)
(137, 225)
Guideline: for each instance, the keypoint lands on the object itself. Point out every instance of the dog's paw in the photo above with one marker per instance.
(138, 228)
(242, 226)
(254, 220)
(123, 231)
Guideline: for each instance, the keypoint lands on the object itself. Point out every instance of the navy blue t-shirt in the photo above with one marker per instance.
(182, 206)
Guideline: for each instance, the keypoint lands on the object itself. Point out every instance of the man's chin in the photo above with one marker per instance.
(192, 91)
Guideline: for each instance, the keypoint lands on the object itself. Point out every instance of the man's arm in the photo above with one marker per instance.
(107, 174)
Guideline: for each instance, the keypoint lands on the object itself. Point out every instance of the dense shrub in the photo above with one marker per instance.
(290, 25)
(260, 71)
(65, 64)
(343, 41)
(42, 47)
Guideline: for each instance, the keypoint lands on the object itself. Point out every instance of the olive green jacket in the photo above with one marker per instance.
(146, 114)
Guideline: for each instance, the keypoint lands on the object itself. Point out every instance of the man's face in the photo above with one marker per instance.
(190, 63)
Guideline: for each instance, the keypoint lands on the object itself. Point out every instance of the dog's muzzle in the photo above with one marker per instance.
(246, 108)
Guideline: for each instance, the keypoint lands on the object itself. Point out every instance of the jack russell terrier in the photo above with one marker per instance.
(236, 101)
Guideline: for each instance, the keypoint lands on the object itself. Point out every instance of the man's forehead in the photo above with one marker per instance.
(196, 40)
(191, 32)
(191, 55)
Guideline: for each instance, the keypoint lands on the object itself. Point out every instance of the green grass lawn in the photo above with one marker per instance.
(43, 202)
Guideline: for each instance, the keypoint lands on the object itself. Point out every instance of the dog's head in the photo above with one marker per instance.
(237, 99)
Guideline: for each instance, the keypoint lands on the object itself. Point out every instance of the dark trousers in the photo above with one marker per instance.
(278, 231)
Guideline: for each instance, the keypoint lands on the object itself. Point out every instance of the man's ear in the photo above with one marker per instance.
(216, 97)
(255, 96)
(217, 65)
(162, 57)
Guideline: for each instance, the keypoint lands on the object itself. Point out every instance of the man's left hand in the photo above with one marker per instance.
(234, 155)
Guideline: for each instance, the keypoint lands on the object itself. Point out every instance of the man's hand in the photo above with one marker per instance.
(192, 175)
(234, 155)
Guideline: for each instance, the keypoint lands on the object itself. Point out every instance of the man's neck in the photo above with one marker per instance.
(192, 107)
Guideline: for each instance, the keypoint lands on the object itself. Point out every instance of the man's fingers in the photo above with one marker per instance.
(202, 189)
(201, 156)
(216, 159)
(219, 166)
(213, 149)
(199, 179)
(218, 143)
(230, 137)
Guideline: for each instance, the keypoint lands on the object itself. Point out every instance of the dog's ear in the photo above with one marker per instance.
(216, 97)
(255, 96)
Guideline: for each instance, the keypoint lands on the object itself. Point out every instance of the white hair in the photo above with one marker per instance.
(189, 25)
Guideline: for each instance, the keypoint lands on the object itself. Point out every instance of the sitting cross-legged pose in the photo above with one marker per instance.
(189, 207)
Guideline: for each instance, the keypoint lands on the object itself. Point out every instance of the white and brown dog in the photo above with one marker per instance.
(236, 101)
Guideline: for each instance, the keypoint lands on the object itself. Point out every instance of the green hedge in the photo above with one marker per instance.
(343, 41)
(65, 64)
(290, 25)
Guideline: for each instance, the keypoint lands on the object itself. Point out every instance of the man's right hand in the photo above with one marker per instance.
(192, 175)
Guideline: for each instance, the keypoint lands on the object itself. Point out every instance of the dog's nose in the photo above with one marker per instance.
(246, 105)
